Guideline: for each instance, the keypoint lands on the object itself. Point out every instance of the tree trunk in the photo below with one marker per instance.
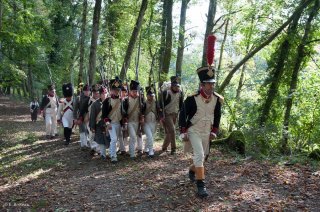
(278, 70)
(221, 52)
(294, 78)
(25, 87)
(134, 36)
(184, 6)
(30, 82)
(238, 94)
(94, 40)
(296, 13)
(82, 40)
(248, 38)
(1, 14)
(210, 24)
(111, 20)
(168, 46)
(163, 41)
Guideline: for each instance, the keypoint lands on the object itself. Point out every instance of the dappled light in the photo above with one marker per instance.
(42, 173)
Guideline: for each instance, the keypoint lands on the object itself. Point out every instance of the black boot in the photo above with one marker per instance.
(192, 176)
(202, 191)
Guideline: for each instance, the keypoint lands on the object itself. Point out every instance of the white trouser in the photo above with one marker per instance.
(115, 134)
(103, 151)
(121, 142)
(139, 143)
(67, 119)
(200, 146)
(83, 140)
(91, 142)
(51, 121)
(150, 129)
(132, 129)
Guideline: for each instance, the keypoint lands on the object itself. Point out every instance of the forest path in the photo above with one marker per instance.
(39, 174)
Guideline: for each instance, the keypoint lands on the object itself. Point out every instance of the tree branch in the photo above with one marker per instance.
(262, 45)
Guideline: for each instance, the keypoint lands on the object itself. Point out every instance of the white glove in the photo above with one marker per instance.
(183, 137)
(213, 135)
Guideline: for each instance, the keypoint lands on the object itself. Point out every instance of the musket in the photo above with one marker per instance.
(103, 75)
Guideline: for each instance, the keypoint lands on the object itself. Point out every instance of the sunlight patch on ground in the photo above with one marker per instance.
(249, 193)
(284, 176)
(24, 179)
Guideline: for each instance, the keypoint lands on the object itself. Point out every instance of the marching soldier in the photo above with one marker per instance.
(49, 106)
(199, 122)
(95, 94)
(96, 124)
(65, 111)
(171, 103)
(123, 141)
(34, 107)
(151, 114)
(111, 115)
(79, 103)
(132, 110)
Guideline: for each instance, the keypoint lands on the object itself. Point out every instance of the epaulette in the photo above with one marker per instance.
(221, 98)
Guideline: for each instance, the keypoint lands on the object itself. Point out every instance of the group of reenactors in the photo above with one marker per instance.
(110, 114)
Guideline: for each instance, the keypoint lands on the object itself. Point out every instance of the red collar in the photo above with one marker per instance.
(204, 95)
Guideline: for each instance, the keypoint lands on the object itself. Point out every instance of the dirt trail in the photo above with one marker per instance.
(41, 174)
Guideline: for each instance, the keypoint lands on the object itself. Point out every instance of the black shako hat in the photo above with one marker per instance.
(116, 83)
(67, 89)
(175, 80)
(124, 87)
(95, 88)
(150, 90)
(206, 74)
(86, 87)
(134, 85)
(103, 90)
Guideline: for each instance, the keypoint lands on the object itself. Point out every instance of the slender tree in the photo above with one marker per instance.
(82, 39)
(133, 38)
(94, 41)
(168, 46)
(268, 40)
(222, 50)
(183, 12)
(301, 53)
(209, 28)
(282, 57)
(162, 40)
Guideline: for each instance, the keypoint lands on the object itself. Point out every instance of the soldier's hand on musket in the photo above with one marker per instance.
(184, 137)
(92, 130)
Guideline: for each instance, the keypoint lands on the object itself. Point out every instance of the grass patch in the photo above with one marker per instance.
(30, 138)
(42, 203)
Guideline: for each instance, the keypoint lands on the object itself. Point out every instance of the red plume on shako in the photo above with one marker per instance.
(210, 49)
(206, 73)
